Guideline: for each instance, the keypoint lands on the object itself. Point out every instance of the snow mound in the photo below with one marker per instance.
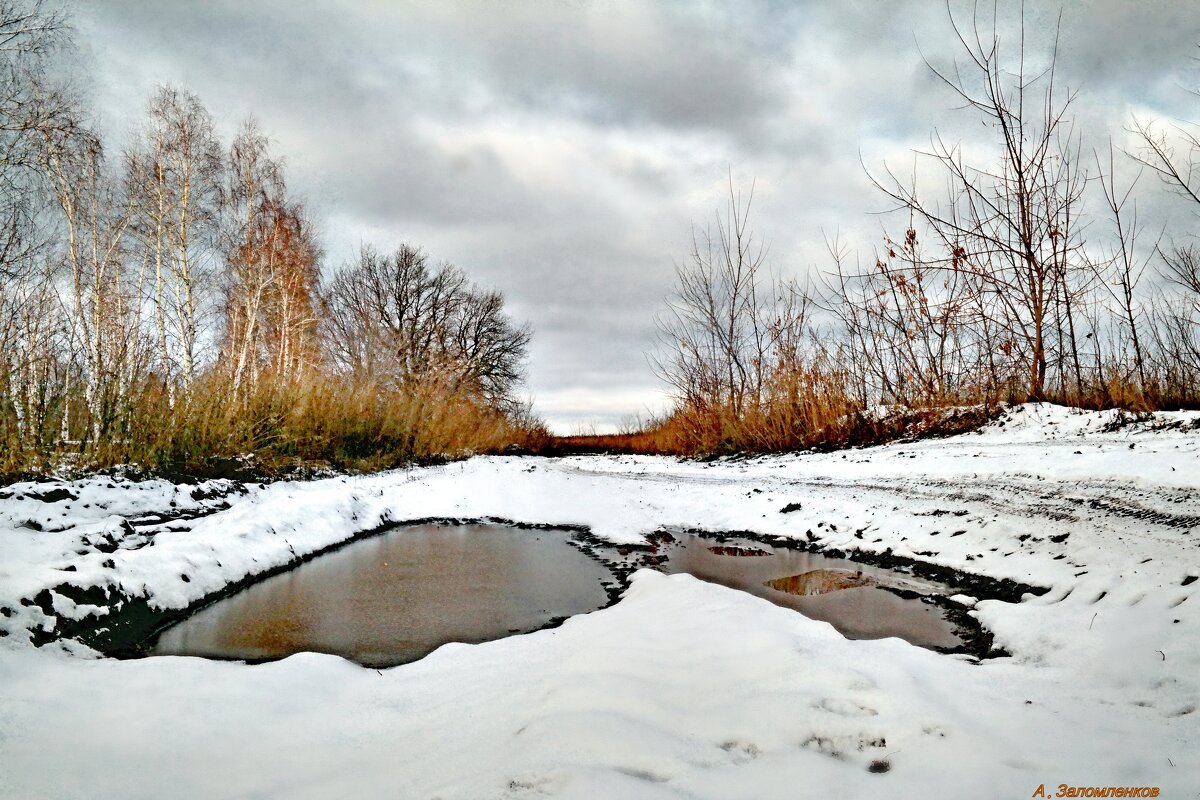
(682, 689)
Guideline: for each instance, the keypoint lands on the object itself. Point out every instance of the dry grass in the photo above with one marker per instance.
(818, 416)
(799, 408)
(811, 408)
(713, 432)
(291, 427)
(280, 428)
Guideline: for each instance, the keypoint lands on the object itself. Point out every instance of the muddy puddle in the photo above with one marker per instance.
(862, 602)
(396, 597)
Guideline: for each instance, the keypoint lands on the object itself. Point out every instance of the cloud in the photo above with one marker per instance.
(561, 152)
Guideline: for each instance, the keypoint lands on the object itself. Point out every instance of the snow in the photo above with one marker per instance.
(683, 688)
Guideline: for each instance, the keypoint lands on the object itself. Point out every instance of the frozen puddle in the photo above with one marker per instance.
(396, 597)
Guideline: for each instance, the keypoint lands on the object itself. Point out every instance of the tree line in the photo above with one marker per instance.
(1026, 275)
(169, 305)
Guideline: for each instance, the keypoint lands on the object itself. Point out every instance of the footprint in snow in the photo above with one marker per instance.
(642, 774)
(845, 708)
(533, 785)
(741, 752)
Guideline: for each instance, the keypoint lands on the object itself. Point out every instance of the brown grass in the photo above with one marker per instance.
(716, 432)
(281, 428)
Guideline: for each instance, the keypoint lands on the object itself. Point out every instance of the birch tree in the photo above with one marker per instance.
(94, 221)
(30, 316)
(175, 175)
(273, 265)
(29, 33)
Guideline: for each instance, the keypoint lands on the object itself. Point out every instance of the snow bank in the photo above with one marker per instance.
(682, 688)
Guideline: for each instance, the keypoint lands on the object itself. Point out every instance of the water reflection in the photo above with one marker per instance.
(396, 597)
(838, 591)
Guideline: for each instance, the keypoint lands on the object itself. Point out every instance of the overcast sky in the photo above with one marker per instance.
(561, 151)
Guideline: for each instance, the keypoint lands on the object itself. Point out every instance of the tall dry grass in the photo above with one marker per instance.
(812, 411)
(280, 427)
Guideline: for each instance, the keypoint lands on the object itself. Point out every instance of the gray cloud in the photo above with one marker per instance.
(561, 151)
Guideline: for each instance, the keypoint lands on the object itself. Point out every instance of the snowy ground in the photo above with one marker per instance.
(682, 689)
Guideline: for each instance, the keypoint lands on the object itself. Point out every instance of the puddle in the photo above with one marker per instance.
(398, 596)
(859, 600)
(820, 581)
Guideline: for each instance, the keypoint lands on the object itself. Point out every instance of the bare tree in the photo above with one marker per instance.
(1012, 224)
(1126, 267)
(31, 319)
(272, 269)
(153, 208)
(94, 221)
(1173, 154)
(29, 33)
(32, 372)
(716, 335)
(283, 251)
(397, 320)
(917, 324)
(1175, 331)
(255, 185)
(175, 177)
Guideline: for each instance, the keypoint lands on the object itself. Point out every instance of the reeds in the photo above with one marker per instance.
(279, 427)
